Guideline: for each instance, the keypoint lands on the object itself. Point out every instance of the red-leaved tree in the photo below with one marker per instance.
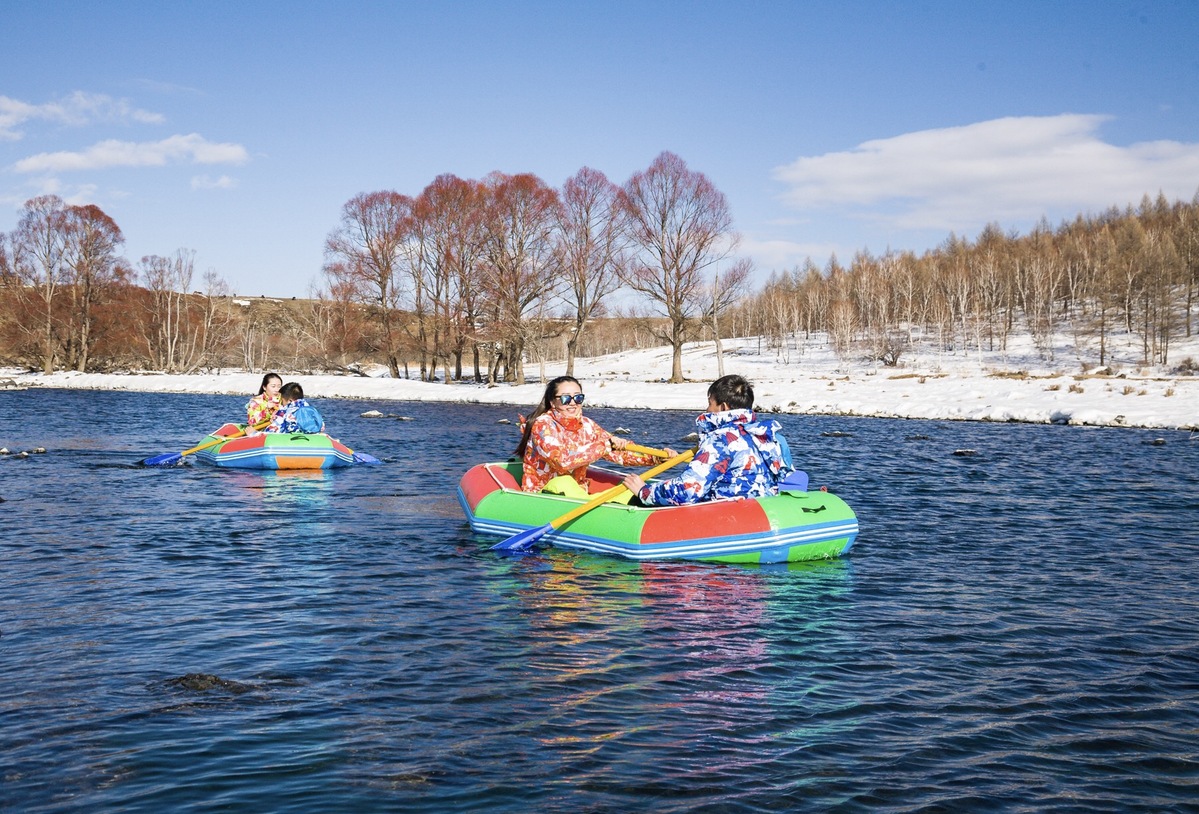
(362, 255)
(592, 236)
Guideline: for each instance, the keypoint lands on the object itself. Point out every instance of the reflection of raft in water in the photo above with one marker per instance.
(274, 450)
(788, 527)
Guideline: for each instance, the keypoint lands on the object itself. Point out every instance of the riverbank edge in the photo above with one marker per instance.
(520, 397)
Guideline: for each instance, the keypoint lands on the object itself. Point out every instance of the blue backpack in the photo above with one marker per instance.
(308, 419)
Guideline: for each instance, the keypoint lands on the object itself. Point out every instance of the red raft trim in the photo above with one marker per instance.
(480, 481)
(699, 521)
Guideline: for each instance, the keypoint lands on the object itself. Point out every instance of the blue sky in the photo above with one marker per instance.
(238, 129)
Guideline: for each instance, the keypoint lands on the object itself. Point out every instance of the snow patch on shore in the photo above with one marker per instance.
(1015, 386)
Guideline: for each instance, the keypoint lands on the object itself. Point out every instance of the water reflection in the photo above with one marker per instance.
(719, 638)
(300, 489)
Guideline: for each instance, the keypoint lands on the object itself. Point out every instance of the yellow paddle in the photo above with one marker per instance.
(172, 458)
(523, 540)
(657, 453)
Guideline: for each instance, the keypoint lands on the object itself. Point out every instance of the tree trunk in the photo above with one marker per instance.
(571, 345)
(676, 342)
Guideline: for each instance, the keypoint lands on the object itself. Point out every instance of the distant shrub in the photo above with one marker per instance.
(1076, 388)
(1054, 387)
(1187, 367)
(887, 348)
(1128, 390)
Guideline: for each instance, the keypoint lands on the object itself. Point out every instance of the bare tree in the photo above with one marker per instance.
(1187, 223)
(449, 218)
(216, 320)
(38, 247)
(94, 267)
(728, 286)
(518, 272)
(363, 252)
(681, 226)
(877, 294)
(842, 313)
(171, 340)
(592, 235)
(8, 275)
(993, 284)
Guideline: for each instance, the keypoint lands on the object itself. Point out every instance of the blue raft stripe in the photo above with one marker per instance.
(708, 547)
(272, 454)
(283, 452)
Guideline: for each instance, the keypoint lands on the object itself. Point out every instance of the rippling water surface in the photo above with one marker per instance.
(1015, 629)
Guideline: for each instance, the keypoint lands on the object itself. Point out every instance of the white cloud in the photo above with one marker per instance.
(1016, 168)
(12, 113)
(206, 182)
(191, 148)
(83, 194)
(75, 194)
(76, 110)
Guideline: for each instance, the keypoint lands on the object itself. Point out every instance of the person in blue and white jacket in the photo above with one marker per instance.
(738, 455)
(296, 414)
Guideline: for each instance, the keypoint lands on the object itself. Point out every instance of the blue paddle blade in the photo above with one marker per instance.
(524, 540)
(363, 458)
(797, 481)
(166, 459)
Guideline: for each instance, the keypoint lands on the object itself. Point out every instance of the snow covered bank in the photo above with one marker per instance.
(1017, 387)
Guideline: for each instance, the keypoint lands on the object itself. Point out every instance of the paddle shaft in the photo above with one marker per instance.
(657, 453)
(222, 439)
(524, 540)
(605, 496)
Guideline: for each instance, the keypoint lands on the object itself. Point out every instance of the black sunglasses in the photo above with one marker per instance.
(577, 398)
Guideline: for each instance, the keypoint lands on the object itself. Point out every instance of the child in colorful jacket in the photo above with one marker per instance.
(558, 442)
(296, 414)
(264, 405)
(738, 456)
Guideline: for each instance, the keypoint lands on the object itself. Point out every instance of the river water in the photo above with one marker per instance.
(1015, 629)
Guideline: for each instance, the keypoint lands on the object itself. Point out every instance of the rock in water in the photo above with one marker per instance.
(203, 682)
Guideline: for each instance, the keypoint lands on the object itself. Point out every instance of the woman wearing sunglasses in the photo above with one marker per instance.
(558, 443)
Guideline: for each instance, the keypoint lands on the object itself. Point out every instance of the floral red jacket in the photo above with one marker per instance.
(565, 447)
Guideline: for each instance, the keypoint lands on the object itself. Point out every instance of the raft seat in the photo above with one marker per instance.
(601, 480)
(505, 475)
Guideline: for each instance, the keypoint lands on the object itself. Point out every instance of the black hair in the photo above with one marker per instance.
(547, 402)
(734, 391)
(267, 378)
(291, 392)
